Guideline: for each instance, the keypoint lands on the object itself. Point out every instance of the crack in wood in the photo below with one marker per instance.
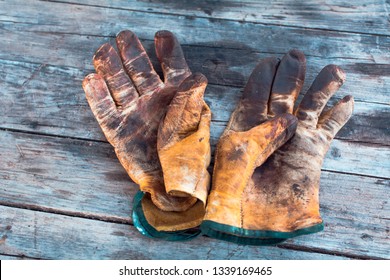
(33, 75)
(20, 150)
(90, 216)
(329, 252)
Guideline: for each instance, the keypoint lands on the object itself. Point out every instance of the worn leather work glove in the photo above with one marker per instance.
(129, 100)
(258, 203)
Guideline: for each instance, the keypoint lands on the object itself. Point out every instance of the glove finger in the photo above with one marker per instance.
(253, 106)
(249, 149)
(288, 83)
(184, 112)
(332, 121)
(101, 103)
(328, 81)
(186, 127)
(137, 63)
(109, 65)
(171, 57)
(272, 134)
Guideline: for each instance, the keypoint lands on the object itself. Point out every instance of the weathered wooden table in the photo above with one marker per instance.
(63, 193)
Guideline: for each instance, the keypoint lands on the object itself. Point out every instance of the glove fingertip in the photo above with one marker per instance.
(348, 98)
(297, 54)
(194, 81)
(91, 82)
(164, 34)
(334, 119)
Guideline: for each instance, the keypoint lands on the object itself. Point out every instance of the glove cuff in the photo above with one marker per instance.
(184, 228)
(252, 237)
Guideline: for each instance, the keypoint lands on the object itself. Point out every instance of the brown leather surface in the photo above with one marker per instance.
(184, 141)
(280, 194)
(129, 100)
(238, 154)
(172, 221)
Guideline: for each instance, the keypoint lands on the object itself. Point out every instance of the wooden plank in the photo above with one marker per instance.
(229, 67)
(5, 257)
(49, 99)
(357, 16)
(9, 258)
(342, 156)
(81, 178)
(43, 235)
(56, 174)
(230, 64)
(190, 30)
(352, 213)
(357, 153)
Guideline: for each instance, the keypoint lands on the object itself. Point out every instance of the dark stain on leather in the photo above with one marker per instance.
(113, 123)
(272, 134)
(280, 107)
(235, 154)
(298, 191)
(313, 101)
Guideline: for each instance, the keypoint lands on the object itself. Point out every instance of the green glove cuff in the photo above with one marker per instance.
(146, 229)
(252, 237)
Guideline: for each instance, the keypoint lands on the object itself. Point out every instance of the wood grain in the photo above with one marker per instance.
(230, 65)
(49, 99)
(357, 16)
(9, 258)
(66, 196)
(84, 179)
(341, 157)
(100, 21)
(42, 235)
(57, 174)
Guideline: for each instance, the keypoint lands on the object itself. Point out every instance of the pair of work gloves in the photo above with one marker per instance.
(265, 183)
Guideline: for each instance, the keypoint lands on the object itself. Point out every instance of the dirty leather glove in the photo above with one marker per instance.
(129, 100)
(183, 144)
(280, 198)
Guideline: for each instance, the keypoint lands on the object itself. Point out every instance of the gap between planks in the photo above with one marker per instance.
(54, 102)
(343, 217)
(103, 21)
(331, 158)
(230, 247)
(76, 214)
